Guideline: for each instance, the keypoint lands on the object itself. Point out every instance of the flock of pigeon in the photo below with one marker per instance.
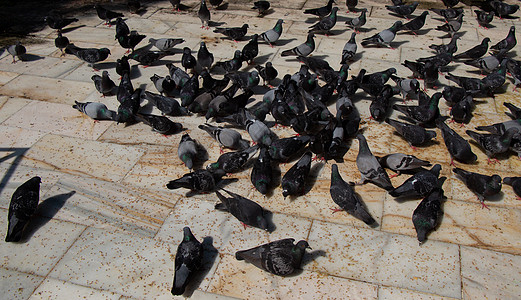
(302, 103)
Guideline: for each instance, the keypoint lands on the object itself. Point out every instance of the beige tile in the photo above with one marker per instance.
(45, 66)
(489, 274)
(5, 77)
(15, 141)
(388, 292)
(76, 156)
(10, 105)
(147, 25)
(57, 289)
(97, 35)
(16, 285)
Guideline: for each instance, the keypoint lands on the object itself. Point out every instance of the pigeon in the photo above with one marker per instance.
(204, 15)
(514, 68)
(427, 215)
(165, 44)
(103, 83)
(349, 51)
(501, 128)
(204, 57)
(122, 66)
(281, 257)
(357, 23)
(453, 94)
(262, 6)
(483, 186)
(121, 28)
(125, 88)
(351, 5)
(380, 105)
(189, 91)
(493, 144)
(246, 211)
(461, 111)
(56, 21)
(448, 13)
(476, 51)
(188, 61)
(22, 207)
(416, 23)
(175, 5)
(383, 38)
(403, 10)
(199, 180)
(468, 83)
(485, 64)
(188, 259)
(484, 18)
(317, 65)
(61, 42)
(160, 124)
(177, 74)
(407, 87)
(426, 71)
(95, 110)
(515, 182)
(321, 12)
(369, 166)
(283, 149)
(424, 113)
(515, 112)
(133, 6)
(250, 50)
(507, 43)
(451, 47)
(106, 15)
(344, 196)
(226, 137)
(294, 181)
(326, 24)
(88, 55)
(303, 49)
(267, 73)
(17, 50)
(168, 106)
(216, 3)
(148, 58)
(128, 108)
(450, 3)
(164, 85)
(452, 26)
(233, 64)
(233, 162)
(262, 172)
(258, 131)
(235, 33)
(272, 35)
(188, 151)
(418, 185)
(245, 80)
(415, 135)
(399, 162)
(457, 146)
(503, 9)
(496, 79)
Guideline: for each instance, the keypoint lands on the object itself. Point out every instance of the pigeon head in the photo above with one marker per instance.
(302, 245)
(187, 50)
(494, 185)
(261, 223)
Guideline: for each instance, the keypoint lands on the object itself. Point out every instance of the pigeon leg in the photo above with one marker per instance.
(146, 66)
(14, 62)
(245, 226)
(518, 198)
(493, 161)
(452, 162)
(336, 210)
(394, 175)
(483, 205)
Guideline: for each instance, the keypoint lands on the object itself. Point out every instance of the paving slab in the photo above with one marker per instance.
(17, 285)
(57, 289)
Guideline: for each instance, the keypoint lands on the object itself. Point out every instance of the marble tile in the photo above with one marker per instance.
(10, 105)
(16, 285)
(5, 77)
(76, 156)
(57, 289)
(432, 268)
(45, 242)
(14, 141)
(147, 25)
(129, 265)
(97, 35)
(388, 292)
(46, 66)
(489, 274)
(46, 89)
(57, 118)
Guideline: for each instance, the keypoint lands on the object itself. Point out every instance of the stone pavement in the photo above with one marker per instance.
(108, 228)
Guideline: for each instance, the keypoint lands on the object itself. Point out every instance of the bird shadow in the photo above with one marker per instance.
(311, 256)
(210, 254)
(312, 20)
(45, 211)
(337, 32)
(223, 6)
(215, 24)
(32, 57)
(314, 172)
(284, 42)
(72, 28)
(366, 30)
(105, 65)
(417, 32)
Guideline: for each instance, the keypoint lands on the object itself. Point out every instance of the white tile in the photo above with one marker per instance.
(57, 289)
(16, 285)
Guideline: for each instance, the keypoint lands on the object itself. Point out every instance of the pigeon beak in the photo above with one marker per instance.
(309, 247)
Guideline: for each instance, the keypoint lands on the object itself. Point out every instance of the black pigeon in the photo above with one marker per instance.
(468, 83)
(61, 42)
(303, 49)
(493, 144)
(216, 3)
(438, 60)
(103, 83)
(326, 24)
(233, 162)
(379, 78)
(56, 21)
(476, 51)
(22, 207)
(122, 66)
(199, 180)
(344, 196)
(262, 172)
(204, 14)
(453, 94)
(461, 111)
(262, 6)
(369, 167)
(379, 107)
(321, 12)
(418, 185)
(167, 105)
(457, 146)
(204, 57)
(267, 73)
(188, 61)
(164, 85)
(106, 15)
(503, 9)
(507, 43)
(250, 50)
(125, 88)
(233, 64)
(483, 186)
(351, 5)
(317, 65)
(294, 181)
(148, 58)
(88, 55)
(121, 28)
(280, 257)
(501, 128)
(188, 260)
(416, 23)
(415, 135)
(235, 33)
(399, 162)
(427, 214)
(175, 5)
(404, 10)
(130, 41)
(160, 124)
(129, 106)
(133, 6)
(448, 13)
(424, 113)
(283, 149)
(188, 151)
(426, 71)
(484, 18)
(450, 3)
(245, 210)
(515, 182)
(451, 47)
(452, 26)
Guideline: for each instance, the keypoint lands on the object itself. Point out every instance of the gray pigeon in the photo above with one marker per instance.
(383, 38)
(198, 181)
(204, 15)
(258, 131)
(204, 57)
(165, 44)
(226, 137)
(349, 51)
(304, 49)
(415, 135)
(452, 26)
(427, 214)
(245, 80)
(369, 167)
(507, 43)
(233, 162)
(408, 87)
(326, 24)
(399, 162)
(280, 257)
(188, 151)
(17, 50)
(188, 259)
(245, 210)
(345, 197)
(493, 144)
(95, 110)
(457, 146)
(418, 185)
(22, 207)
(483, 186)
(357, 23)
(88, 55)
(294, 181)
(485, 64)
(272, 35)
(103, 83)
